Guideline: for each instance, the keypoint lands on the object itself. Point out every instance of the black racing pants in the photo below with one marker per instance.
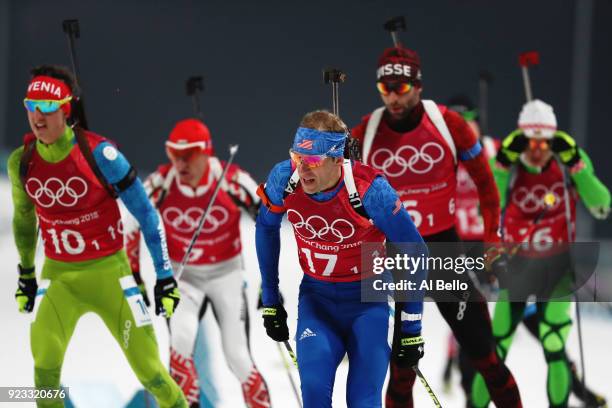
(471, 324)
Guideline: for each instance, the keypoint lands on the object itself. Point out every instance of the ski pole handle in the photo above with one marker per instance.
(484, 81)
(335, 77)
(72, 30)
(525, 60)
(394, 25)
(194, 86)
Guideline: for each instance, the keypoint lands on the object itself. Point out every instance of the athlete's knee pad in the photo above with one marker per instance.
(553, 336)
(502, 344)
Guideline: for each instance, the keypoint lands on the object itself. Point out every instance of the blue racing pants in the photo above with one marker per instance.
(333, 321)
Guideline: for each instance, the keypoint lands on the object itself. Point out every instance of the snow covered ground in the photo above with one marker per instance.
(98, 375)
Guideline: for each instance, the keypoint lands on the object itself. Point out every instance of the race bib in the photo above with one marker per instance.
(135, 301)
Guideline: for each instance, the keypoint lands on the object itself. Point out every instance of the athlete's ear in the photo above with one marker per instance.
(338, 161)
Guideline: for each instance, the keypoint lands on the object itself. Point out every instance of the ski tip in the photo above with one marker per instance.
(233, 149)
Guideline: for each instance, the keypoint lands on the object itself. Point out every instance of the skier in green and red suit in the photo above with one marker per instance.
(531, 151)
(64, 183)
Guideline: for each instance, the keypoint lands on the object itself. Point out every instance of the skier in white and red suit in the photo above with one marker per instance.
(417, 145)
(182, 190)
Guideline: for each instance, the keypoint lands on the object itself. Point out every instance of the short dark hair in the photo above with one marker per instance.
(58, 72)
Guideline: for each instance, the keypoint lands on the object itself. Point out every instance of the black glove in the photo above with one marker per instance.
(142, 287)
(566, 149)
(409, 351)
(275, 322)
(27, 288)
(167, 296)
(260, 304)
(512, 146)
(499, 269)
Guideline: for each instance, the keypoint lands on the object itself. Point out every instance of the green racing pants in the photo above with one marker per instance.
(554, 326)
(104, 286)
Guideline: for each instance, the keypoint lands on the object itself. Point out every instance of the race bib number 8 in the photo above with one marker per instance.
(135, 301)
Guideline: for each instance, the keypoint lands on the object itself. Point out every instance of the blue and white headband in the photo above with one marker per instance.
(314, 142)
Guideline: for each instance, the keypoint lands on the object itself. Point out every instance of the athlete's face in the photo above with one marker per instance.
(398, 105)
(190, 166)
(538, 152)
(47, 127)
(316, 179)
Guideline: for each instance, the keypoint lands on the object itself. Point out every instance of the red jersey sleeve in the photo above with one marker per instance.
(480, 172)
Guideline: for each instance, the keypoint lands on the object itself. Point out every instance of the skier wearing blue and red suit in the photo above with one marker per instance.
(335, 205)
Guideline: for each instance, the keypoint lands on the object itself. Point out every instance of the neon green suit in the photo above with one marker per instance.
(68, 290)
(554, 315)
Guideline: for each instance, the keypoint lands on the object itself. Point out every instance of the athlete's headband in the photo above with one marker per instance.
(314, 142)
(47, 88)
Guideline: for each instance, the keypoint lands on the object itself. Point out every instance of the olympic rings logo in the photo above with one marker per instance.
(187, 221)
(316, 226)
(53, 190)
(419, 161)
(532, 200)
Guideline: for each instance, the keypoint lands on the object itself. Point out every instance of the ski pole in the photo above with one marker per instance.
(434, 399)
(394, 25)
(194, 86)
(484, 80)
(72, 30)
(291, 353)
(288, 368)
(525, 60)
(568, 222)
(335, 77)
(233, 149)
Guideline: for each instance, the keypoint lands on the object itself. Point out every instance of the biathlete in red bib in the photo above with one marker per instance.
(417, 144)
(65, 181)
(213, 275)
(335, 205)
(537, 212)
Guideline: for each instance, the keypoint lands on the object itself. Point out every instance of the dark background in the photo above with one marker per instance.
(262, 64)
